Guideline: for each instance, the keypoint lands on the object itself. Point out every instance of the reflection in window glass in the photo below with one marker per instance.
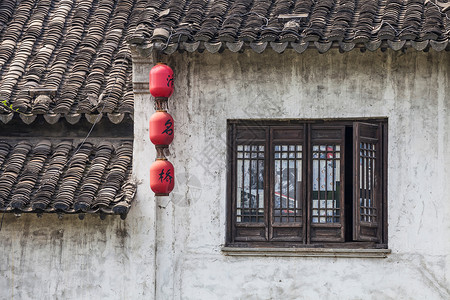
(326, 184)
(367, 182)
(287, 183)
(250, 183)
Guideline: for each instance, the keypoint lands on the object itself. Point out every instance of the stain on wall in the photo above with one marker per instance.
(169, 248)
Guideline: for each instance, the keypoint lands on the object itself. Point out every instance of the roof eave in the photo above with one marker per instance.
(147, 49)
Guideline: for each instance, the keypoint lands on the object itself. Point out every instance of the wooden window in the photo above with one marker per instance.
(307, 183)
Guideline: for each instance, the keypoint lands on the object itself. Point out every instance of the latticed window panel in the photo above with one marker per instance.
(250, 184)
(367, 154)
(319, 183)
(287, 183)
(326, 183)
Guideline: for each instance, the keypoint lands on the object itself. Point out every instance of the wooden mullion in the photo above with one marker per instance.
(250, 225)
(309, 182)
(326, 181)
(356, 183)
(280, 224)
(374, 183)
(305, 181)
(288, 179)
(257, 183)
(379, 183)
(366, 180)
(331, 225)
(235, 181)
(295, 184)
(242, 179)
(232, 187)
(281, 183)
(384, 181)
(333, 181)
(250, 200)
(268, 182)
(342, 191)
(318, 185)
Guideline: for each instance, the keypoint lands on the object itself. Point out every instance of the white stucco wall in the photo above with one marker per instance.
(169, 248)
(411, 89)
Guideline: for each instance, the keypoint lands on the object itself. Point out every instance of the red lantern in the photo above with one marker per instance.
(161, 81)
(162, 177)
(161, 128)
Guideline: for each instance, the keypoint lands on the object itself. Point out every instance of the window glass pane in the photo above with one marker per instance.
(250, 183)
(287, 183)
(239, 190)
(367, 154)
(326, 183)
(261, 185)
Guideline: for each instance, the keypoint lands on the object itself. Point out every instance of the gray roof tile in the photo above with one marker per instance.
(218, 24)
(72, 51)
(65, 177)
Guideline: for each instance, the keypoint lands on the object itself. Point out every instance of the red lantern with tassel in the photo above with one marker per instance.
(161, 81)
(161, 128)
(162, 178)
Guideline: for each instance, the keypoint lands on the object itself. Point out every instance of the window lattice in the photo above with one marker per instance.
(287, 185)
(367, 182)
(250, 183)
(326, 183)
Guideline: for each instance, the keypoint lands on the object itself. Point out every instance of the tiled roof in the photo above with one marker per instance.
(66, 58)
(214, 25)
(66, 176)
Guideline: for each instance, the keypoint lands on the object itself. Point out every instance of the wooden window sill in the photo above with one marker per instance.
(307, 252)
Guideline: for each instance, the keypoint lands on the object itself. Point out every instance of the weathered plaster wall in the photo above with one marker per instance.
(92, 259)
(411, 89)
(72, 259)
(48, 258)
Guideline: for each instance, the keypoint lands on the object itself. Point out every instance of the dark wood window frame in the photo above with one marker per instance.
(346, 217)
